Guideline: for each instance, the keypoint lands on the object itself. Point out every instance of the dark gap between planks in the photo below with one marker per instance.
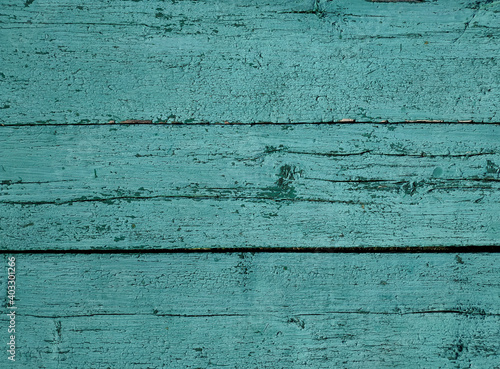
(269, 250)
(149, 122)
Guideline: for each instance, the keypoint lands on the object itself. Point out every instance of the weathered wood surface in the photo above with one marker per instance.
(191, 186)
(258, 311)
(67, 185)
(279, 61)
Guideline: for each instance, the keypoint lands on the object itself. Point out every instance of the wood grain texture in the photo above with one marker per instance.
(191, 186)
(70, 181)
(258, 311)
(279, 61)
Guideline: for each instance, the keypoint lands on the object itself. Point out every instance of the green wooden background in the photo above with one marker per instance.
(251, 184)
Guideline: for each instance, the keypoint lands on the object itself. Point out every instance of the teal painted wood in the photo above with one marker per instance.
(280, 61)
(192, 186)
(257, 311)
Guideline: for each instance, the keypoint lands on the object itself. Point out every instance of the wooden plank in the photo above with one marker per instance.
(189, 186)
(257, 310)
(280, 61)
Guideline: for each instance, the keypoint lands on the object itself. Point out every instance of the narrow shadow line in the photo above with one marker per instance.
(148, 122)
(270, 250)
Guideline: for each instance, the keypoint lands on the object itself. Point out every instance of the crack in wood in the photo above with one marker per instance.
(470, 312)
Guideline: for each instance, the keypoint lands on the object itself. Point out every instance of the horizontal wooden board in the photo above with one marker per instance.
(278, 61)
(257, 311)
(195, 186)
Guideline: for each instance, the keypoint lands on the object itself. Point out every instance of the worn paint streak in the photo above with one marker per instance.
(280, 61)
(262, 310)
(249, 186)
